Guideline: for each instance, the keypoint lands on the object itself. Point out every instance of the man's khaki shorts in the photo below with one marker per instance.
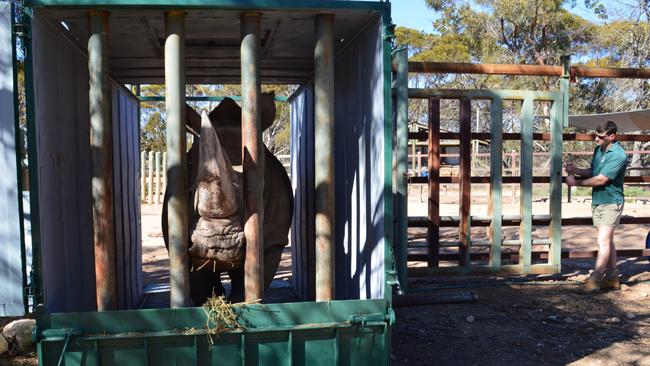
(607, 214)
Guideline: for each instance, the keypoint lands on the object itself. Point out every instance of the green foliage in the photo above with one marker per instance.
(154, 133)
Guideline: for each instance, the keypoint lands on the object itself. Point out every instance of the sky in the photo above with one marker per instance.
(415, 14)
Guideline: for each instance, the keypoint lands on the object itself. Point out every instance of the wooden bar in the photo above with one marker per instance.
(526, 192)
(177, 217)
(485, 69)
(143, 176)
(536, 255)
(433, 179)
(465, 189)
(496, 178)
(158, 177)
(512, 180)
(253, 155)
(151, 175)
(324, 156)
(530, 70)
(515, 220)
(555, 209)
(422, 136)
(101, 142)
(604, 72)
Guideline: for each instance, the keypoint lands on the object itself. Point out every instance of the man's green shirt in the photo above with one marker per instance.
(612, 164)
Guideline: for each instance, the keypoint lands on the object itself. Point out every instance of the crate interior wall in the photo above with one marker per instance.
(359, 171)
(11, 272)
(64, 176)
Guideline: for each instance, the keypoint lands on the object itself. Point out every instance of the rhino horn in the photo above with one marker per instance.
(215, 192)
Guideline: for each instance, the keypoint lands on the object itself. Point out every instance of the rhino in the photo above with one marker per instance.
(216, 202)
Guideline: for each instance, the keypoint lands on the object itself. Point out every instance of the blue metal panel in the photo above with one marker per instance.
(359, 171)
(359, 152)
(126, 196)
(62, 130)
(62, 115)
(11, 273)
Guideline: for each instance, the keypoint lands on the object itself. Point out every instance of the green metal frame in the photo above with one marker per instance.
(223, 4)
(353, 332)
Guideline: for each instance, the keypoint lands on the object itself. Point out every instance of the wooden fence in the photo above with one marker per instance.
(153, 175)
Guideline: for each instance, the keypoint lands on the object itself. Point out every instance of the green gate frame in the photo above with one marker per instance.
(349, 332)
(495, 219)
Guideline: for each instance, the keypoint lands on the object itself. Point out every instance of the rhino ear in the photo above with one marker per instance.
(215, 195)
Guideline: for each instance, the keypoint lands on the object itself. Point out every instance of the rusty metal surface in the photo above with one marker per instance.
(465, 179)
(324, 155)
(531, 70)
(177, 165)
(433, 231)
(101, 140)
(252, 156)
(422, 136)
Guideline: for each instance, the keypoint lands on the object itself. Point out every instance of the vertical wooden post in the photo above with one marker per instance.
(150, 183)
(526, 189)
(164, 172)
(252, 156)
(158, 177)
(324, 156)
(559, 113)
(143, 176)
(496, 182)
(101, 141)
(177, 218)
(465, 180)
(433, 227)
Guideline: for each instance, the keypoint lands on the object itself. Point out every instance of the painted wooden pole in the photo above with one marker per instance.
(433, 226)
(559, 114)
(526, 186)
(400, 59)
(164, 172)
(495, 235)
(158, 177)
(101, 141)
(465, 187)
(177, 219)
(252, 156)
(143, 176)
(150, 180)
(324, 155)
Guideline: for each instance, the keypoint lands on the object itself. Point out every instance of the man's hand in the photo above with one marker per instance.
(570, 168)
(571, 181)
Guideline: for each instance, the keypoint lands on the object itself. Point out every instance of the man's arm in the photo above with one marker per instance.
(599, 180)
(573, 170)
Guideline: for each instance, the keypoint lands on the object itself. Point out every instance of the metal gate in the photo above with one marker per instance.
(461, 261)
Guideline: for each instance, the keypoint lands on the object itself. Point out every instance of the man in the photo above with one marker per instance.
(606, 178)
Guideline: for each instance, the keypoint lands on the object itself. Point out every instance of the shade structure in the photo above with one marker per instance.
(626, 121)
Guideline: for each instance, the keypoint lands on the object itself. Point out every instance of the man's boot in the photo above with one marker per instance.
(610, 280)
(593, 283)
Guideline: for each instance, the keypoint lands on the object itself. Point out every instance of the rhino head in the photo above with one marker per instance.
(218, 234)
